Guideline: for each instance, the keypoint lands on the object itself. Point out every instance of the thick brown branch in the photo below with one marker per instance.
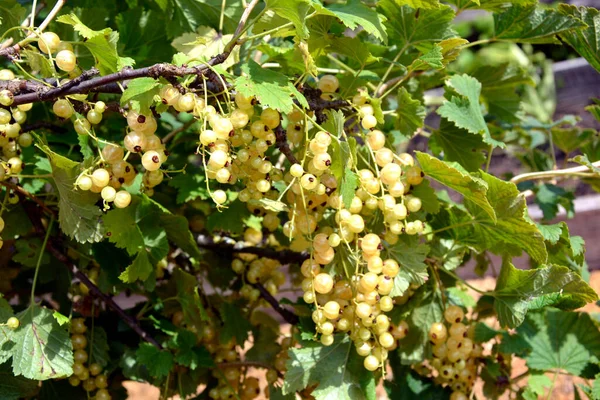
(286, 314)
(283, 145)
(43, 125)
(284, 256)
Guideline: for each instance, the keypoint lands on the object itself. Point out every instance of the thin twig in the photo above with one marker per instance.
(174, 132)
(581, 171)
(51, 15)
(53, 247)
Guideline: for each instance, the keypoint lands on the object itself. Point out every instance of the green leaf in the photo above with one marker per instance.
(518, 291)
(464, 110)
(38, 62)
(559, 340)
(512, 230)
(269, 87)
(536, 386)
(61, 319)
(42, 348)
(459, 145)
(294, 11)
(189, 15)
(348, 186)
(354, 14)
(28, 252)
(190, 186)
(78, 215)
(84, 147)
(141, 91)
(411, 113)
(407, 26)
(99, 345)
(484, 333)
(273, 205)
(178, 232)
(584, 160)
(408, 384)
(15, 387)
(235, 324)
(102, 44)
(354, 48)
(189, 298)
(426, 309)
(411, 258)
(140, 269)
(11, 15)
(135, 229)
(549, 197)
(425, 4)
(429, 200)
(337, 370)
(230, 219)
(455, 177)
(432, 59)
(534, 24)
(158, 362)
(80, 27)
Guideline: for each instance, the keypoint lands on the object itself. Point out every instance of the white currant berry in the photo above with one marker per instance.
(151, 160)
(100, 177)
(85, 183)
(108, 193)
(66, 60)
(219, 196)
(62, 108)
(48, 42)
(122, 199)
(328, 84)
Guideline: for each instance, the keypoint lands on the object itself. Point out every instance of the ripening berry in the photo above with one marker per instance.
(376, 140)
(102, 394)
(25, 139)
(151, 160)
(94, 117)
(100, 177)
(16, 165)
(48, 42)
(454, 314)
(79, 341)
(331, 309)
(438, 332)
(112, 153)
(82, 126)
(6, 97)
(62, 108)
(19, 116)
(169, 95)
(327, 340)
(371, 363)
(296, 170)
(219, 196)
(5, 116)
(6, 75)
(80, 356)
(100, 107)
(323, 283)
(122, 199)
(1, 224)
(108, 193)
(369, 122)
(309, 181)
(66, 60)
(329, 84)
(386, 303)
(270, 118)
(414, 176)
(186, 102)
(413, 204)
(74, 380)
(101, 381)
(95, 369)
(135, 142)
(13, 323)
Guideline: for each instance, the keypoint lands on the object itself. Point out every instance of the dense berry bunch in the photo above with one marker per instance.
(86, 372)
(455, 355)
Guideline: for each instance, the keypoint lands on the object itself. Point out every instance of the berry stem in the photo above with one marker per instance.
(40, 256)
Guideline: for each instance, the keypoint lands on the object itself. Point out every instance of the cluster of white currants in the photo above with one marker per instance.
(455, 353)
(65, 59)
(11, 137)
(90, 377)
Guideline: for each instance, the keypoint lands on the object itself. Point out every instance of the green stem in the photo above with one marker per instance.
(489, 158)
(347, 68)
(458, 278)
(390, 68)
(39, 260)
(478, 42)
(457, 225)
